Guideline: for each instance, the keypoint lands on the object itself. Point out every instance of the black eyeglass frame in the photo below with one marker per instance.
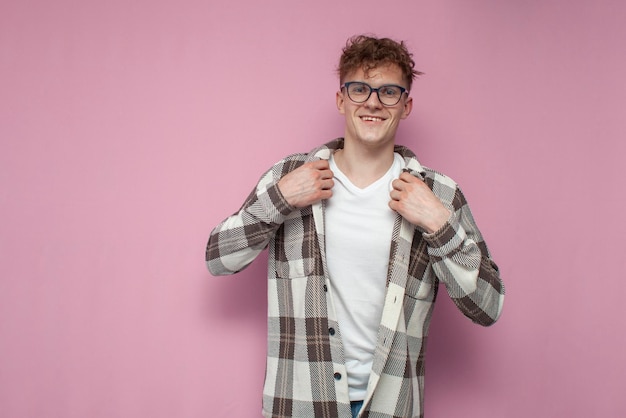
(372, 89)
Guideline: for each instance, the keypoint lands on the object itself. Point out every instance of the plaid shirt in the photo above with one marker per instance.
(305, 370)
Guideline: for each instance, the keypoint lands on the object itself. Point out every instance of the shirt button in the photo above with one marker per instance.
(337, 376)
(331, 331)
(325, 288)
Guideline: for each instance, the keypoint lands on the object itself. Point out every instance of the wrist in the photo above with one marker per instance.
(438, 221)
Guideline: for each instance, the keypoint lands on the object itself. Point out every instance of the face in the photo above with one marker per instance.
(371, 123)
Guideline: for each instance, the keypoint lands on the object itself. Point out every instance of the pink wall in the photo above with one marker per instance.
(129, 129)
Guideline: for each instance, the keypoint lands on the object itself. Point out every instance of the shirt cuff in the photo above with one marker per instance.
(447, 239)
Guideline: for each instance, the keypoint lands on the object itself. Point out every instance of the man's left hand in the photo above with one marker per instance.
(414, 200)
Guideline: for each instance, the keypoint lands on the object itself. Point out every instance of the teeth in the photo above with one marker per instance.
(371, 119)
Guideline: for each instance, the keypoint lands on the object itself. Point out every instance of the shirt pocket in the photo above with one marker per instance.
(422, 289)
(296, 247)
(293, 269)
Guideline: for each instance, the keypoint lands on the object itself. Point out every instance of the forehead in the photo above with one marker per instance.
(379, 75)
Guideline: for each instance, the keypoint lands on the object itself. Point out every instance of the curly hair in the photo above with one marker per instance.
(366, 53)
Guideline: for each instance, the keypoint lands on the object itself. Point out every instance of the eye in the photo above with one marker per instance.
(358, 88)
(390, 91)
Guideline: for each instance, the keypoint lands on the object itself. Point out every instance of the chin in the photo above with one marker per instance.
(375, 142)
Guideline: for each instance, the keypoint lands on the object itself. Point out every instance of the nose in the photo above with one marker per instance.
(373, 101)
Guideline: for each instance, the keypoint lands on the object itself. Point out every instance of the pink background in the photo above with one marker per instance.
(130, 128)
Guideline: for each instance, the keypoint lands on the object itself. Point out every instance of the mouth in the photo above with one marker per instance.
(368, 118)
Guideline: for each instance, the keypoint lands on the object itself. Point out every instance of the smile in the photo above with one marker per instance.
(371, 119)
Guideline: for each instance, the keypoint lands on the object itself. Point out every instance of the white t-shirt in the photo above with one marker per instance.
(359, 226)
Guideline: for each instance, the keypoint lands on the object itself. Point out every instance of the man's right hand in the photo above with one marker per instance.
(307, 184)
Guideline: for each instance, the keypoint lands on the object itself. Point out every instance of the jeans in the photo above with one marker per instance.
(356, 407)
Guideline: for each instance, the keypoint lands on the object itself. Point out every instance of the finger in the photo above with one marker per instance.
(397, 184)
(326, 174)
(328, 184)
(406, 177)
(409, 178)
(320, 164)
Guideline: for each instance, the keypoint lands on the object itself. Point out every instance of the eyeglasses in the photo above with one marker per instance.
(359, 92)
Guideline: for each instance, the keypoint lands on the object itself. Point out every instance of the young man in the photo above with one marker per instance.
(360, 236)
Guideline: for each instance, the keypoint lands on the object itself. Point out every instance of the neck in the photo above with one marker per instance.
(363, 166)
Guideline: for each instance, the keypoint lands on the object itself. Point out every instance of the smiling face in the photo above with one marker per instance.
(371, 123)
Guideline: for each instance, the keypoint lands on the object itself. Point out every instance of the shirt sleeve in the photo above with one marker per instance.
(461, 260)
(238, 240)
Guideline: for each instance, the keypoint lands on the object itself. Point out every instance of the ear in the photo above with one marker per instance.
(340, 102)
(408, 106)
